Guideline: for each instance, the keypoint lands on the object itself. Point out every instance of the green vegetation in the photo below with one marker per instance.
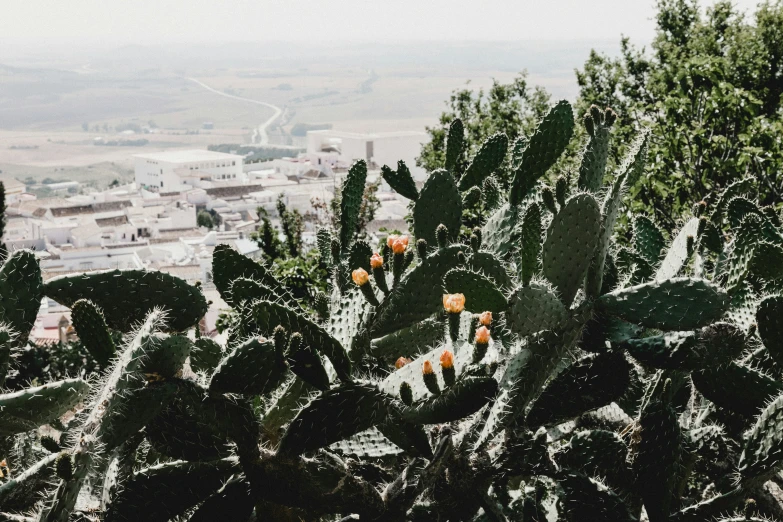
(433, 380)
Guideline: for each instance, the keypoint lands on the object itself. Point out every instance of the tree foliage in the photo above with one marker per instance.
(513, 108)
(710, 88)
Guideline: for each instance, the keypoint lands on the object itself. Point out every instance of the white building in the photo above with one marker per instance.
(176, 170)
(341, 149)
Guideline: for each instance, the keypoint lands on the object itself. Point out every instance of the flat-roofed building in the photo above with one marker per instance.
(175, 170)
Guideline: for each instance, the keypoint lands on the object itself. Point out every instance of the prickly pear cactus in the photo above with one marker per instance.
(539, 365)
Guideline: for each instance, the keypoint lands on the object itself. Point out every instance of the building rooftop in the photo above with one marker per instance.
(187, 156)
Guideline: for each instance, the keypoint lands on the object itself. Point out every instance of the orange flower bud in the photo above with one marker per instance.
(426, 369)
(402, 361)
(391, 239)
(360, 276)
(399, 246)
(404, 240)
(485, 319)
(447, 359)
(376, 261)
(482, 335)
(454, 303)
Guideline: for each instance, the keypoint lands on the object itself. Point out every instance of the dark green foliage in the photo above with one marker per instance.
(229, 265)
(252, 368)
(480, 292)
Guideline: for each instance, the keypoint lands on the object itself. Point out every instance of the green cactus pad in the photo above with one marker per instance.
(367, 444)
(439, 203)
(168, 490)
(585, 500)
(360, 255)
(648, 239)
(657, 458)
(187, 427)
(348, 312)
(570, 244)
(588, 384)
(410, 437)
(738, 208)
(400, 180)
(480, 292)
(28, 409)
(769, 318)
(492, 267)
(454, 145)
(228, 265)
(677, 255)
(597, 453)
(737, 388)
(252, 368)
(400, 343)
(743, 187)
(245, 290)
(629, 173)
(305, 362)
(534, 308)
(127, 296)
(233, 500)
(767, 261)
(529, 253)
(543, 149)
(486, 161)
(668, 351)
(416, 298)
(500, 232)
(675, 304)
(21, 291)
(323, 238)
(7, 342)
(492, 193)
(92, 330)
(335, 415)
(464, 398)
(266, 316)
(742, 308)
(593, 165)
(205, 355)
(762, 455)
(351, 203)
(132, 411)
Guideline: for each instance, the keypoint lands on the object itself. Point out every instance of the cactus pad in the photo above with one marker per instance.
(439, 203)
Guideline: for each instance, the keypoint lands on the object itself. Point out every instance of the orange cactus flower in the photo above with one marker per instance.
(376, 261)
(454, 303)
(360, 276)
(485, 319)
(447, 359)
(482, 335)
(399, 246)
(426, 369)
(402, 361)
(390, 239)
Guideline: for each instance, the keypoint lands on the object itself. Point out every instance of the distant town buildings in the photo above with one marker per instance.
(152, 223)
(178, 170)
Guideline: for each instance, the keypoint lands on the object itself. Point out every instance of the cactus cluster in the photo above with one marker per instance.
(542, 368)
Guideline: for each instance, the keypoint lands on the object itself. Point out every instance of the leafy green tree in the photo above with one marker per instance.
(710, 88)
(204, 219)
(514, 108)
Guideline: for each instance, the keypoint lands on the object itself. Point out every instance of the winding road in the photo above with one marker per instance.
(260, 135)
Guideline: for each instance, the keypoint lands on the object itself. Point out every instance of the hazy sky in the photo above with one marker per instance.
(155, 21)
